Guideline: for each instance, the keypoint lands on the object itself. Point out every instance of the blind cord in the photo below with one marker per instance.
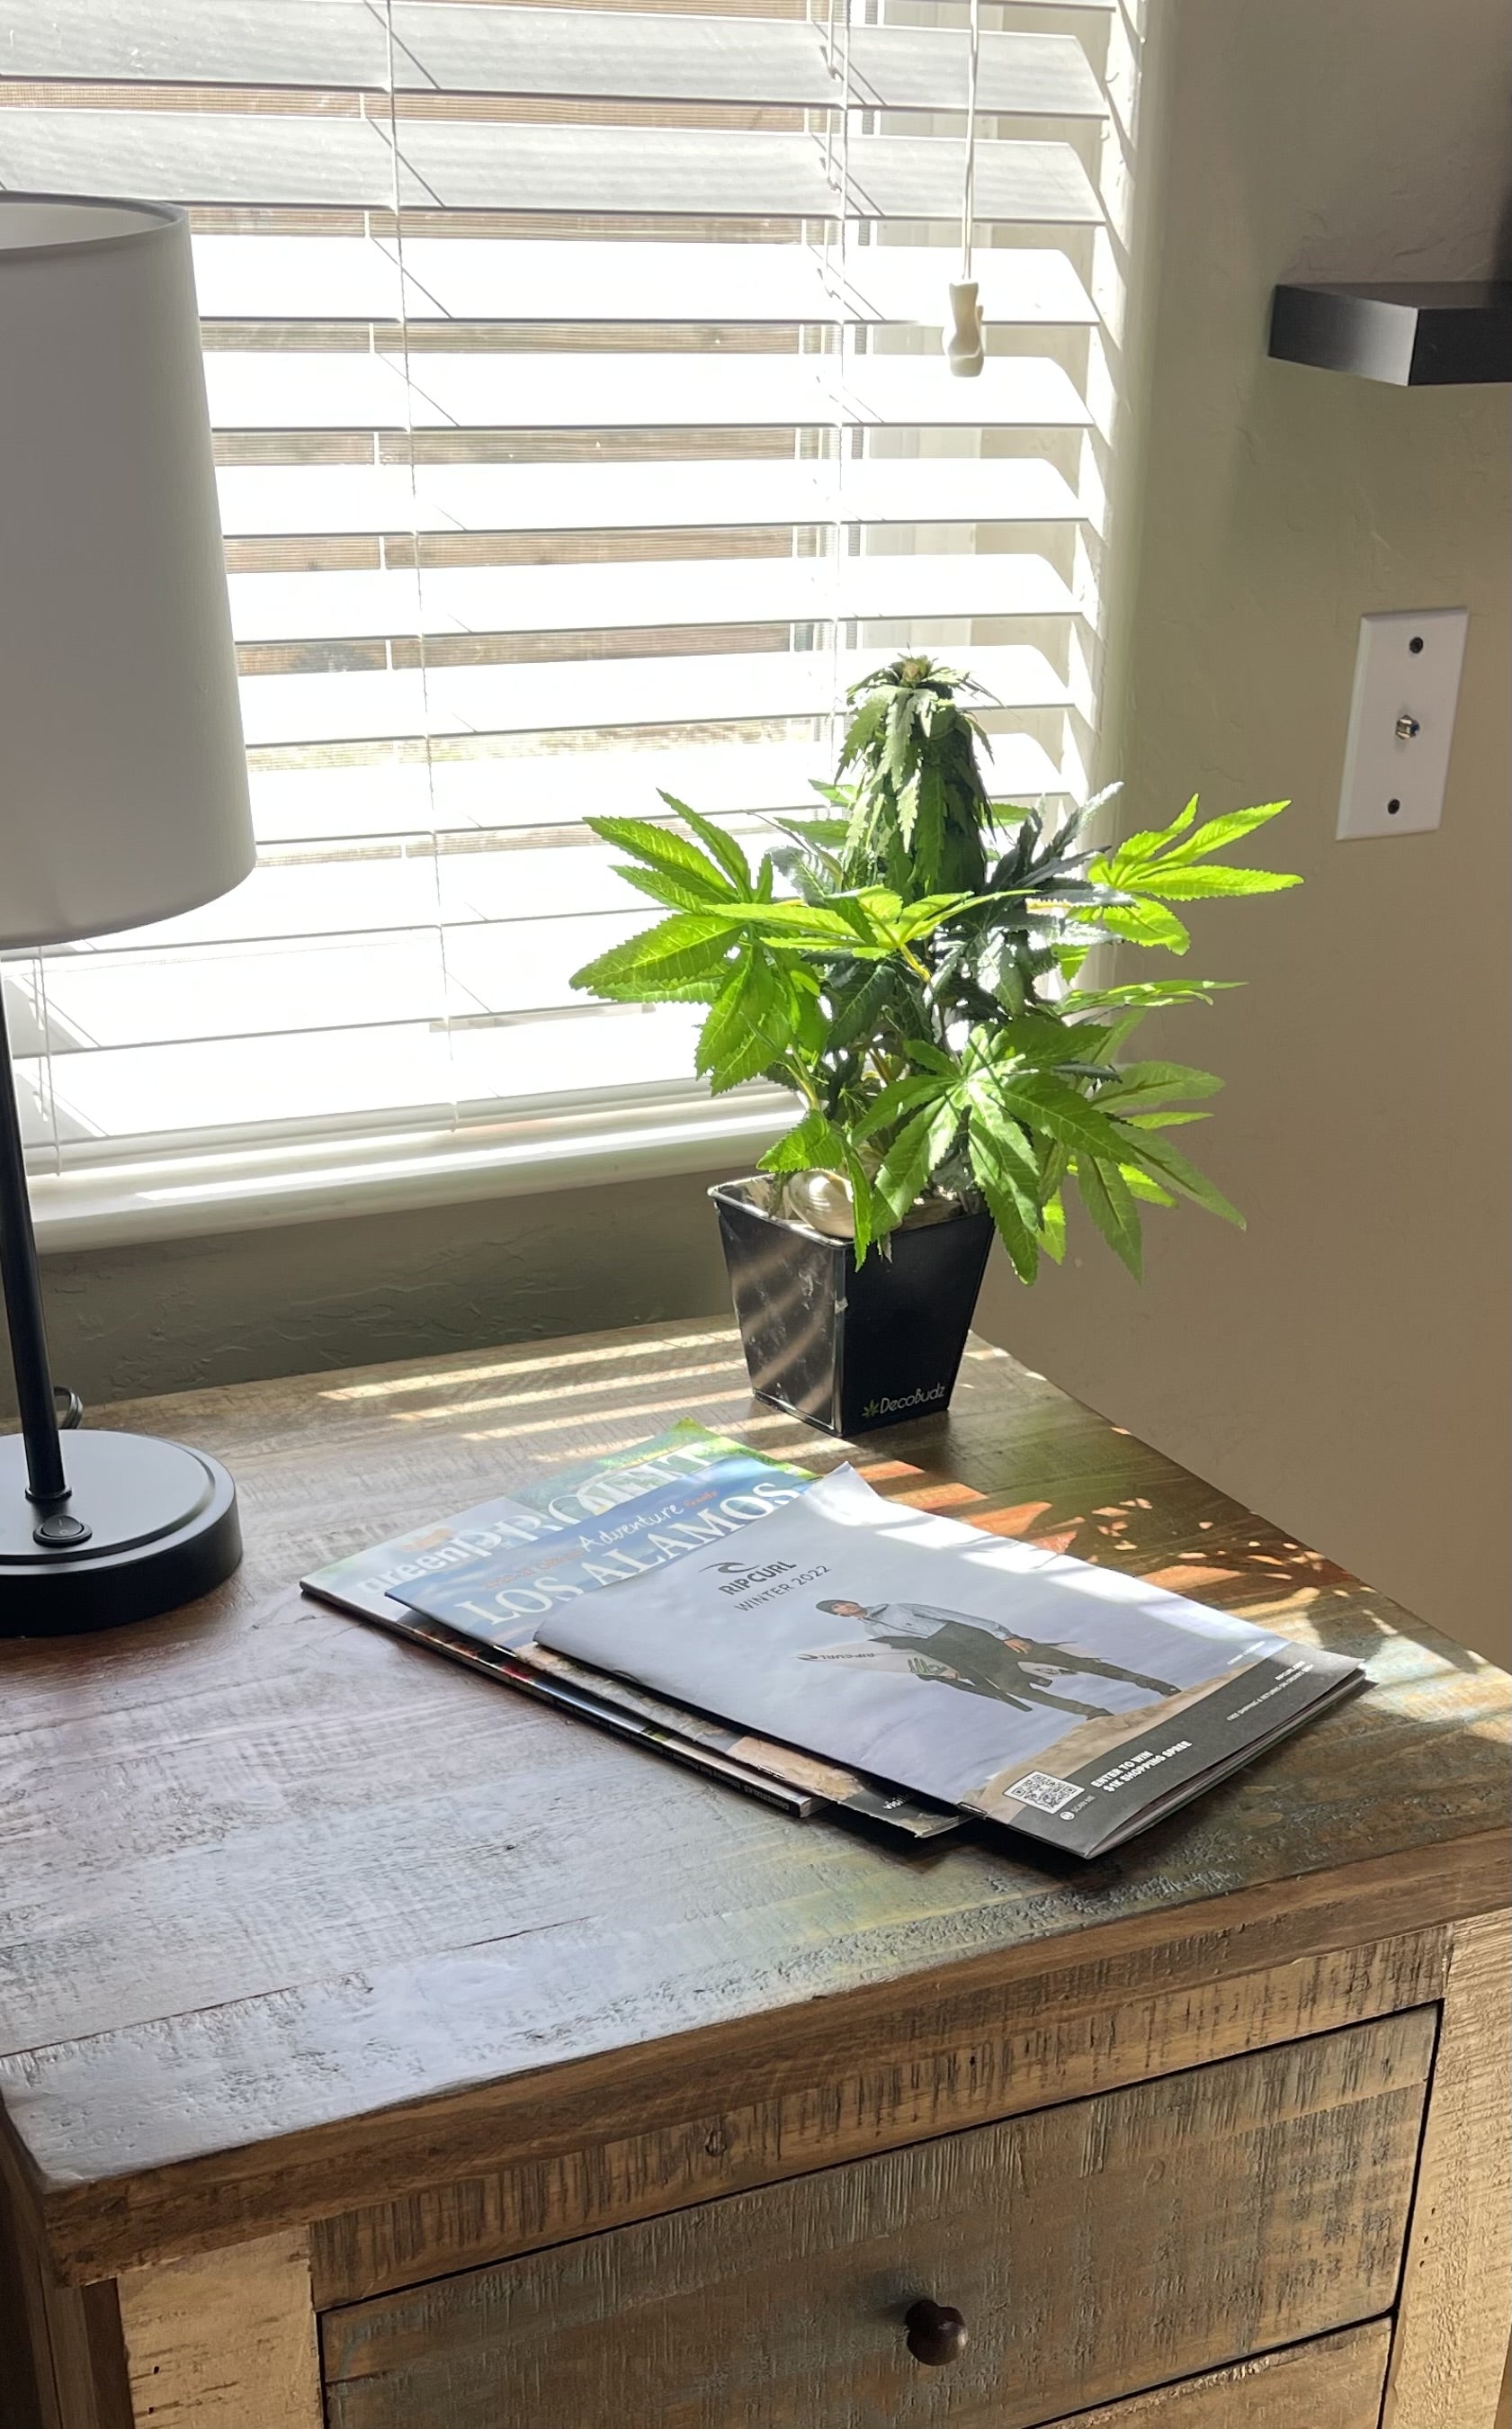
(968, 180)
(965, 347)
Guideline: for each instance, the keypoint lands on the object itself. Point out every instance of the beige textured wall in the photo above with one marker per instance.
(298, 1297)
(1342, 1366)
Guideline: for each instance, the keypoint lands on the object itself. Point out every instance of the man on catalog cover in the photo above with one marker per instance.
(955, 1650)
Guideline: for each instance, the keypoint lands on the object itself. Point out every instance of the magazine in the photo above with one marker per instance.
(365, 1581)
(474, 1586)
(626, 1713)
(511, 1584)
(572, 1497)
(1076, 1704)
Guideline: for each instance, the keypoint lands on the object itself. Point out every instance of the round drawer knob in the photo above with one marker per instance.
(936, 2334)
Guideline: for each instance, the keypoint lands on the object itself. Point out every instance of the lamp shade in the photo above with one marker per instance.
(122, 774)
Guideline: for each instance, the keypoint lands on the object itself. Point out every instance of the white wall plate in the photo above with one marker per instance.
(1402, 721)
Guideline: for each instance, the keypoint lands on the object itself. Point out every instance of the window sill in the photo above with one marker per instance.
(116, 1205)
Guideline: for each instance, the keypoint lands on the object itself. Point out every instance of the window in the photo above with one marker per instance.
(583, 428)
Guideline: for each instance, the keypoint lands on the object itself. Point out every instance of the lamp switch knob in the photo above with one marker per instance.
(59, 1531)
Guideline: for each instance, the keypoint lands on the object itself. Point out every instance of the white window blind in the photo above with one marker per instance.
(584, 427)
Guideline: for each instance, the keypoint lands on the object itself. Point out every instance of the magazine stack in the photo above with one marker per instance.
(819, 1646)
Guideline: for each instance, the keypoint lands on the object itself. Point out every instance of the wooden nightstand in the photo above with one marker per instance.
(386, 2050)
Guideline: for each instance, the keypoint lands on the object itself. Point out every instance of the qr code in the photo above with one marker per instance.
(1043, 1789)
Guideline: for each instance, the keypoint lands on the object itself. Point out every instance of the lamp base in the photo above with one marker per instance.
(147, 1526)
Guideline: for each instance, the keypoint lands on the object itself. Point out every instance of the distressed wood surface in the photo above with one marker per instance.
(1332, 2384)
(225, 2341)
(1095, 2249)
(1057, 2037)
(1449, 2355)
(296, 1917)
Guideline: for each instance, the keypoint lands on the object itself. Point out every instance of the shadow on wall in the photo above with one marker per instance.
(299, 1298)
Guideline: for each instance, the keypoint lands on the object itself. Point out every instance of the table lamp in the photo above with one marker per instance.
(122, 800)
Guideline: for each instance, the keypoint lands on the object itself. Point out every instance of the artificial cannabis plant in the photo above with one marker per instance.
(907, 962)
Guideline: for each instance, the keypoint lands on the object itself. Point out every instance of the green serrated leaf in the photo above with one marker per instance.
(1212, 885)
(1147, 1084)
(899, 1098)
(1008, 1180)
(857, 916)
(909, 1165)
(863, 726)
(662, 848)
(857, 1014)
(749, 1026)
(1150, 840)
(1231, 828)
(1053, 1229)
(929, 826)
(1106, 1194)
(671, 939)
(1002, 1152)
(1145, 923)
(1045, 1104)
(1150, 995)
(900, 745)
(911, 921)
(678, 893)
(931, 1058)
(1170, 1167)
(1022, 1242)
(813, 1146)
(868, 1215)
(720, 846)
(1138, 1184)
(907, 810)
(649, 967)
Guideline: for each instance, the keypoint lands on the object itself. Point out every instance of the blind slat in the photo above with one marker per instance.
(275, 499)
(172, 156)
(640, 391)
(377, 798)
(342, 47)
(491, 279)
(565, 694)
(709, 591)
(728, 174)
(323, 1079)
(627, 171)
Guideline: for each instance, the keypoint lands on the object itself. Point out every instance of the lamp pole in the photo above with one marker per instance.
(47, 1484)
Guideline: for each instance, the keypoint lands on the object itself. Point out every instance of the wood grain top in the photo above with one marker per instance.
(265, 1872)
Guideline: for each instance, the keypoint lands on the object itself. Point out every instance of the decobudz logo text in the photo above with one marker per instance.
(884, 1407)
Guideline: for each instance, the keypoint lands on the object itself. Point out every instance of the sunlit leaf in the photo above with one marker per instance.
(1211, 885)
(1053, 1229)
(813, 1145)
(663, 848)
(749, 1026)
(678, 893)
(899, 1098)
(1105, 1194)
(720, 846)
(1146, 923)
(1169, 1167)
(1149, 1084)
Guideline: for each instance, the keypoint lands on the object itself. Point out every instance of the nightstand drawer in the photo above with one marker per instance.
(1336, 2383)
(1092, 2250)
